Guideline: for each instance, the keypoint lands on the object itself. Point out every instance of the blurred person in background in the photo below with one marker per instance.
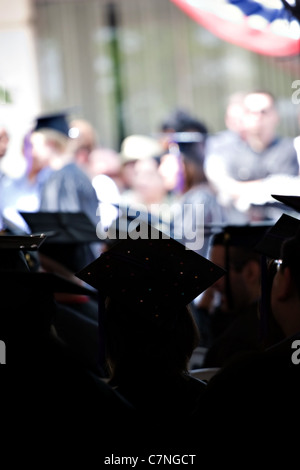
(198, 196)
(24, 193)
(84, 141)
(104, 170)
(4, 142)
(134, 148)
(245, 170)
(69, 188)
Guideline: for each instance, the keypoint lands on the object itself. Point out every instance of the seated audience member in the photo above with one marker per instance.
(4, 143)
(133, 149)
(68, 188)
(84, 141)
(146, 282)
(178, 127)
(198, 206)
(260, 390)
(233, 325)
(24, 193)
(41, 382)
(246, 170)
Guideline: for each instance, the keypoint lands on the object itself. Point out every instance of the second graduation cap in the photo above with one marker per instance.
(290, 201)
(270, 244)
(151, 268)
(246, 236)
(62, 227)
(54, 121)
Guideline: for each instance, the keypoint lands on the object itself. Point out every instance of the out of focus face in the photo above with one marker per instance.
(4, 141)
(260, 115)
(40, 151)
(148, 182)
(237, 281)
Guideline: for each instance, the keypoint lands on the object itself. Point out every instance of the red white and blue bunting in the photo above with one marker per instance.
(263, 26)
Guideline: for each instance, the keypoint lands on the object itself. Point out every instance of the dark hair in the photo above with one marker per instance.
(181, 121)
(145, 338)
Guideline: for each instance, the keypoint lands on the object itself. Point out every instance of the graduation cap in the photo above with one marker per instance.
(69, 236)
(21, 242)
(38, 280)
(54, 121)
(270, 244)
(151, 268)
(150, 275)
(289, 201)
(28, 309)
(246, 236)
(14, 251)
(62, 227)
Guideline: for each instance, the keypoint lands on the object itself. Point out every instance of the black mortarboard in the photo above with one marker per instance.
(152, 269)
(62, 227)
(270, 244)
(14, 251)
(28, 309)
(69, 236)
(55, 121)
(289, 201)
(241, 235)
(21, 242)
(43, 281)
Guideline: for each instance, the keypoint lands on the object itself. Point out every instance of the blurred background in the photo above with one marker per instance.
(123, 65)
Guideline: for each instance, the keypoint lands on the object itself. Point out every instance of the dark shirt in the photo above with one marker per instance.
(70, 190)
(168, 408)
(188, 216)
(258, 395)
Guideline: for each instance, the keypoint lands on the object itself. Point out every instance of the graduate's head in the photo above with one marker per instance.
(146, 282)
(285, 291)
(233, 249)
(50, 138)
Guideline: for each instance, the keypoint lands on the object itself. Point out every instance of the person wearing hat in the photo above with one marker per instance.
(147, 333)
(233, 324)
(197, 192)
(68, 188)
(41, 382)
(260, 390)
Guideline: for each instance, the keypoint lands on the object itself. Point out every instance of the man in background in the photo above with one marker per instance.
(246, 170)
